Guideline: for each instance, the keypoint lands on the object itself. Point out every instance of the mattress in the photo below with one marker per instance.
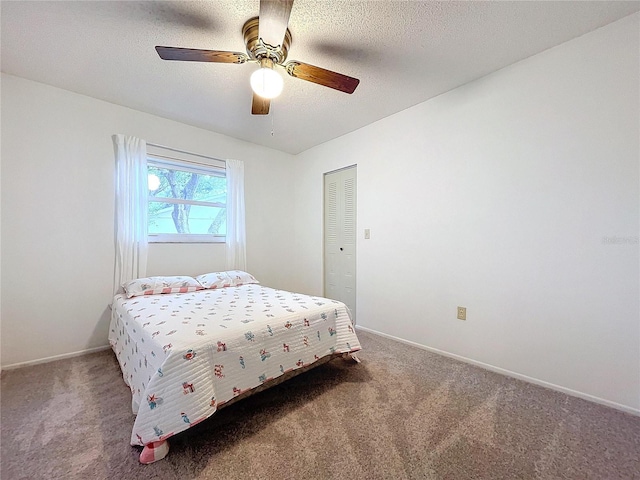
(185, 355)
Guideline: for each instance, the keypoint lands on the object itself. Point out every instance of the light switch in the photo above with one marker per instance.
(367, 234)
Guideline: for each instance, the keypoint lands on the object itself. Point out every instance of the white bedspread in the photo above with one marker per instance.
(185, 354)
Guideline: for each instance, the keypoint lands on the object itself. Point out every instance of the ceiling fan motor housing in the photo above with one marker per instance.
(257, 49)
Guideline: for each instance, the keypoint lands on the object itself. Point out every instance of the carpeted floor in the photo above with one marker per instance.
(402, 413)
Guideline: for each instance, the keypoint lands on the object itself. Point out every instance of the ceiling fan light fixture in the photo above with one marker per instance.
(267, 40)
(265, 81)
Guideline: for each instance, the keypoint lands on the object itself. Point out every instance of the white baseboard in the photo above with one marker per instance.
(54, 358)
(519, 376)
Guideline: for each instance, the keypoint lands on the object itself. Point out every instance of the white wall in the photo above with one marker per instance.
(58, 215)
(497, 196)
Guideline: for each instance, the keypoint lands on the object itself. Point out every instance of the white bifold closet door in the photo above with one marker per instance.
(340, 236)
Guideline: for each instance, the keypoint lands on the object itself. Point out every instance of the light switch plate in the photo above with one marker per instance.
(367, 234)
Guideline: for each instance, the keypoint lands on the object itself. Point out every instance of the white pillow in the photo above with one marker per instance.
(215, 280)
(154, 285)
(232, 278)
(238, 277)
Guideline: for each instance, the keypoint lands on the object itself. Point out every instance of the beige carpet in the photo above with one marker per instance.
(402, 413)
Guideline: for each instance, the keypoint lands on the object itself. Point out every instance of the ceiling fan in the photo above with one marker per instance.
(267, 41)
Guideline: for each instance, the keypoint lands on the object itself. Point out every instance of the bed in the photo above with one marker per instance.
(189, 346)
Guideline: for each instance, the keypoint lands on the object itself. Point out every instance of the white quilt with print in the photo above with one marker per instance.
(185, 354)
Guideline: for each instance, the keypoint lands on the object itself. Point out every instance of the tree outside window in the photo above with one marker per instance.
(186, 203)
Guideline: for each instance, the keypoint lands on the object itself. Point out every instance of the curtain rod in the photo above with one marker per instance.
(188, 153)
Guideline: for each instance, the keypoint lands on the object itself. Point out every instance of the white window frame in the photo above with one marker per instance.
(162, 161)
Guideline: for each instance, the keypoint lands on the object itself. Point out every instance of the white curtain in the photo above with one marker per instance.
(131, 209)
(236, 234)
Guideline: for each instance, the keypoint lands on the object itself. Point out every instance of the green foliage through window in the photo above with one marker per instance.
(186, 200)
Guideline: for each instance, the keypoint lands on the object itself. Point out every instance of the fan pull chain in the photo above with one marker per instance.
(272, 121)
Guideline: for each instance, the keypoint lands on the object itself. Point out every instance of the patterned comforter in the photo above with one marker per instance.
(183, 355)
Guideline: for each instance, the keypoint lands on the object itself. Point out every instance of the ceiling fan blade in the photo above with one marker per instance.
(274, 18)
(322, 76)
(195, 55)
(260, 106)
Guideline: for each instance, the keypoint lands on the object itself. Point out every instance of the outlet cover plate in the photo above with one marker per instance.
(462, 313)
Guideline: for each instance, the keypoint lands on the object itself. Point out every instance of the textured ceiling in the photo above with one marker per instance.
(403, 52)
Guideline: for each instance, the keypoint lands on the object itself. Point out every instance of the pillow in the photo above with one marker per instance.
(153, 285)
(232, 278)
(238, 277)
(215, 280)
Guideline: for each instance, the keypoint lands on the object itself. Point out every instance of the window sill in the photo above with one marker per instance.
(185, 239)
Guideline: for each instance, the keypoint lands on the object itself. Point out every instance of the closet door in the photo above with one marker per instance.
(340, 236)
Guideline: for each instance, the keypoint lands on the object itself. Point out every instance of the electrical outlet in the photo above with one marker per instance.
(367, 234)
(462, 313)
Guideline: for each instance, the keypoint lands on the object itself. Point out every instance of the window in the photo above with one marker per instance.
(187, 202)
